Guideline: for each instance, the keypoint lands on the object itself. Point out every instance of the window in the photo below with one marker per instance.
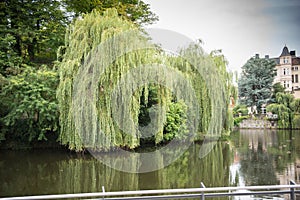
(285, 60)
(292, 78)
(292, 68)
(286, 84)
(296, 78)
(296, 68)
(286, 71)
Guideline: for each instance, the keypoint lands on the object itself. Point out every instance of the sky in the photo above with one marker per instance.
(241, 28)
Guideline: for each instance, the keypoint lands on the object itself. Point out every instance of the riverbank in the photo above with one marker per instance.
(253, 123)
(53, 143)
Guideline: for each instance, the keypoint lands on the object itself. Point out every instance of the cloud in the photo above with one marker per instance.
(240, 28)
(285, 15)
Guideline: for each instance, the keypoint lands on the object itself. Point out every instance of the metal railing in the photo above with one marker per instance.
(202, 193)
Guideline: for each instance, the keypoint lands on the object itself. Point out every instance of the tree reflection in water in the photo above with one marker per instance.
(265, 156)
(250, 158)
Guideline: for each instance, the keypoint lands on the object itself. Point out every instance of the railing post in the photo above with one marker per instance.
(203, 186)
(292, 193)
(103, 191)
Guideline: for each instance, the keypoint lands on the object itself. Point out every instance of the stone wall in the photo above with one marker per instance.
(257, 124)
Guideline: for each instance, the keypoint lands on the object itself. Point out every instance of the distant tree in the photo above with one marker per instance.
(296, 105)
(134, 10)
(287, 108)
(255, 84)
(30, 31)
(277, 87)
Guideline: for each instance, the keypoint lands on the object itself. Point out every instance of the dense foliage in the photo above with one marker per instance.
(33, 74)
(31, 104)
(32, 31)
(30, 34)
(255, 83)
(287, 108)
(92, 99)
(277, 87)
(133, 10)
(176, 121)
(240, 113)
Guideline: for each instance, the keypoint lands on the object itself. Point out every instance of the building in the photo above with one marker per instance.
(288, 71)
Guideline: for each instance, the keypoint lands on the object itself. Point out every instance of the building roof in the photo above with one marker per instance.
(285, 51)
(296, 61)
(277, 60)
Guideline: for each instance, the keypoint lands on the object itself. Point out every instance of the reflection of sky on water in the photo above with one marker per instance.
(259, 151)
(234, 170)
(271, 158)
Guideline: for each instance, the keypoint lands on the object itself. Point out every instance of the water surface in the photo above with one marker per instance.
(251, 157)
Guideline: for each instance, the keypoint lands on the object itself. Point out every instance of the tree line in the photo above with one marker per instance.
(257, 88)
(37, 70)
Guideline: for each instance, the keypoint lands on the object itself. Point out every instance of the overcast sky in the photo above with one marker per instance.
(240, 28)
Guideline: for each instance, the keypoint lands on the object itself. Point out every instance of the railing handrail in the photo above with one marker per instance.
(152, 192)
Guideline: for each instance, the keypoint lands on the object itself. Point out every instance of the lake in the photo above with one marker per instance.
(251, 157)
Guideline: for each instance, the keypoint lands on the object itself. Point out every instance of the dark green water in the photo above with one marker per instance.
(250, 158)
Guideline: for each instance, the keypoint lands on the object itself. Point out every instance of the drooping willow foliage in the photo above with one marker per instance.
(106, 67)
(230, 90)
(214, 88)
(287, 110)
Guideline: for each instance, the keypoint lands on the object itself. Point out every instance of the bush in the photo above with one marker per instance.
(238, 120)
(175, 126)
(240, 109)
(30, 98)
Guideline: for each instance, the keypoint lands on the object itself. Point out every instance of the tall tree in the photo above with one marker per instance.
(255, 84)
(30, 33)
(31, 30)
(221, 63)
(277, 87)
(136, 11)
(88, 118)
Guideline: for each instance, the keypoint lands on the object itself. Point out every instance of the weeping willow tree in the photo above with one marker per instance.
(94, 127)
(230, 90)
(287, 109)
(106, 67)
(214, 88)
(204, 101)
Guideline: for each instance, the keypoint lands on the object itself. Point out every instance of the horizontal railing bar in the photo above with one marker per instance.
(177, 196)
(199, 195)
(247, 193)
(149, 192)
